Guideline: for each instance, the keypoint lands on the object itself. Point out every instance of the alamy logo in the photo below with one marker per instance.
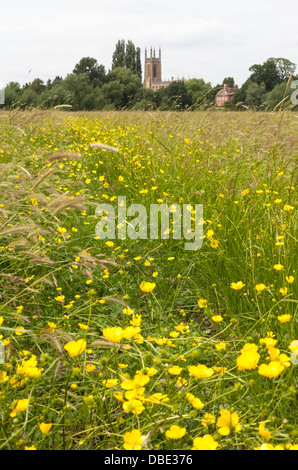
(2, 353)
(186, 223)
(294, 95)
(2, 93)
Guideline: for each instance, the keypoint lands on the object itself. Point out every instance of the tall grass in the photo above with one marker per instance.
(60, 284)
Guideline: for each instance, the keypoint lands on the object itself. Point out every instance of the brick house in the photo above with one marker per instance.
(226, 94)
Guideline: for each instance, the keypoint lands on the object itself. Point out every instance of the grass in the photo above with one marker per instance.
(176, 343)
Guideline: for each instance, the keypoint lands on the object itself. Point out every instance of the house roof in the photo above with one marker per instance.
(227, 91)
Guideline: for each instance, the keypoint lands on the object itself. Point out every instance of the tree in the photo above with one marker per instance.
(229, 81)
(12, 93)
(266, 73)
(280, 95)
(122, 88)
(127, 55)
(38, 86)
(272, 72)
(78, 85)
(130, 56)
(198, 91)
(138, 63)
(175, 96)
(255, 95)
(285, 68)
(89, 66)
(118, 59)
(240, 94)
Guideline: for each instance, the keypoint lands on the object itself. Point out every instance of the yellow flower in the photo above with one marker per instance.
(204, 443)
(136, 320)
(214, 243)
(175, 370)
(151, 371)
(200, 371)
(220, 346)
(175, 432)
(195, 402)
(202, 303)
(83, 327)
(114, 334)
(109, 243)
(20, 330)
(264, 433)
(30, 448)
(110, 383)
(260, 287)
(249, 357)
(90, 367)
(52, 325)
(3, 376)
(45, 428)
(220, 370)
(1, 320)
(28, 367)
(294, 347)
(147, 286)
(283, 290)
(290, 279)
(288, 208)
(217, 318)
(128, 311)
(133, 406)
(228, 422)
(284, 318)
(237, 285)
(157, 398)
(21, 405)
(133, 440)
(278, 267)
(273, 369)
(245, 192)
(74, 348)
(131, 332)
(132, 384)
(208, 419)
(61, 230)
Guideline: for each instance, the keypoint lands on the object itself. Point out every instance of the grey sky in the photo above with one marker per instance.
(208, 39)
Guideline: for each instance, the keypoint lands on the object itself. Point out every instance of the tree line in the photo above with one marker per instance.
(90, 87)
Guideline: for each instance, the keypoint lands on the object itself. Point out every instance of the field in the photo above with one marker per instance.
(140, 343)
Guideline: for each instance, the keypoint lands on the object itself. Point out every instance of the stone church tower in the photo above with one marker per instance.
(152, 71)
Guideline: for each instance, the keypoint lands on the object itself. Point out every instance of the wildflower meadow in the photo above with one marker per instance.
(133, 342)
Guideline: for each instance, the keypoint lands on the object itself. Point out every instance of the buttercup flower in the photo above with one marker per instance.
(133, 440)
(264, 433)
(228, 422)
(74, 348)
(114, 334)
(204, 443)
(175, 370)
(45, 427)
(260, 287)
(147, 286)
(237, 285)
(273, 369)
(175, 432)
(133, 406)
(200, 371)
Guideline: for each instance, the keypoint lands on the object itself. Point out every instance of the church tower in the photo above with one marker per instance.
(152, 70)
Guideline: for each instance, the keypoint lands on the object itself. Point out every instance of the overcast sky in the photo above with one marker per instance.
(209, 39)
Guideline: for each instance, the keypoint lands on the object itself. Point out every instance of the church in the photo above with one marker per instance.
(152, 72)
